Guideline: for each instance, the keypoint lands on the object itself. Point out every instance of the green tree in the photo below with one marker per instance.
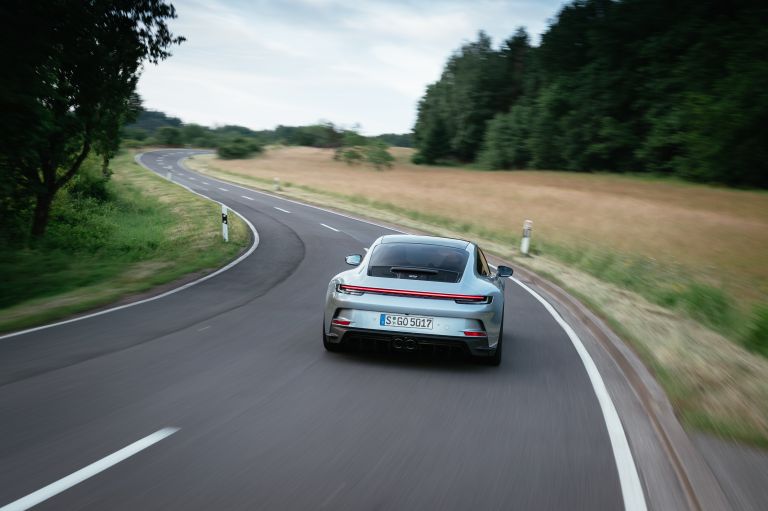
(168, 135)
(506, 144)
(193, 133)
(612, 86)
(74, 66)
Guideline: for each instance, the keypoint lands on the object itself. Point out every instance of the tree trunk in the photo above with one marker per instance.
(49, 186)
(42, 212)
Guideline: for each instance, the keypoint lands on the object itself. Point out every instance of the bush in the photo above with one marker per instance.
(351, 156)
(90, 182)
(132, 143)
(756, 338)
(418, 159)
(378, 156)
(238, 148)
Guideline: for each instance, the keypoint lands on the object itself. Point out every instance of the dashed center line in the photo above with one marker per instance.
(281, 209)
(246, 197)
(223, 189)
(192, 178)
(205, 183)
(331, 228)
(87, 472)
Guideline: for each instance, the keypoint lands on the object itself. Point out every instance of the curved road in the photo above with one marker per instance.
(264, 418)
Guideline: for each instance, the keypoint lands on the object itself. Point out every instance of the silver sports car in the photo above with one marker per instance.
(418, 293)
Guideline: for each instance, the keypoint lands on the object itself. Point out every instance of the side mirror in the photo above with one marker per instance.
(354, 259)
(504, 271)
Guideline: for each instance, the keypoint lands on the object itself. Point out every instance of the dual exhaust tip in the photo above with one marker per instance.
(404, 344)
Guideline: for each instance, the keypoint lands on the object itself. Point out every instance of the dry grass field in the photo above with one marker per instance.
(719, 235)
(675, 267)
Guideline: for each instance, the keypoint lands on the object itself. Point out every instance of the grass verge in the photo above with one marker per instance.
(688, 332)
(139, 232)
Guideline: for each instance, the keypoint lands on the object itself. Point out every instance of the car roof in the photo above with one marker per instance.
(424, 240)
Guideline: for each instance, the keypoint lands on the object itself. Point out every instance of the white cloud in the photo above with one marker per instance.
(265, 63)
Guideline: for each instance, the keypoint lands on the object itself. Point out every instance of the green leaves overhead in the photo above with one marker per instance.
(72, 72)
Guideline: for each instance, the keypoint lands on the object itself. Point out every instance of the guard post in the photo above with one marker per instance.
(224, 223)
(525, 243)
(277, 184)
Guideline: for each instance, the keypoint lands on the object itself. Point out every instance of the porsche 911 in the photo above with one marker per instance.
(418, 294)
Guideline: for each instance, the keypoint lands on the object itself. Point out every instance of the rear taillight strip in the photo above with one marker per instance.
(418, 294)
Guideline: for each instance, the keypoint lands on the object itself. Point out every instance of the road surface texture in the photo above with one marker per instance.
(221, 396)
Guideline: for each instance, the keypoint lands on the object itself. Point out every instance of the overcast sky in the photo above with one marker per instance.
(294, 62)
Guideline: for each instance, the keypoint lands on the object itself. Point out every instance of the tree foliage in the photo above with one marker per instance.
(238, 148)
(72, 71)
(613, 86)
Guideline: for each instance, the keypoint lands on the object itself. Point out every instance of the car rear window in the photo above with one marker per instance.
(416, 261)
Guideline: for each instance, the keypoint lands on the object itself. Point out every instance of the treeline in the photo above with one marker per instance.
(232, 141)
(156, 128)
(667, 87)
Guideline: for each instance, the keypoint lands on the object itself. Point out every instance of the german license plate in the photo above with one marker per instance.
(399, 320)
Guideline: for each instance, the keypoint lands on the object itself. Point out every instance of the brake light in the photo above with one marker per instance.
(357, 290)
(475, 333)
(341, 322)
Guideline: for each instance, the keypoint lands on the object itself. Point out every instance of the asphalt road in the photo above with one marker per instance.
(264, 418)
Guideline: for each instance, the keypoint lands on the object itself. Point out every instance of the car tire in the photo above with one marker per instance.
(495, 359)
(332, 347)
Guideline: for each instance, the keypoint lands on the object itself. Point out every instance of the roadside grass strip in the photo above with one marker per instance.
(149, 232)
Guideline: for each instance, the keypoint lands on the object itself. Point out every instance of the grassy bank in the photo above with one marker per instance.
(659, 260)
(137, 232)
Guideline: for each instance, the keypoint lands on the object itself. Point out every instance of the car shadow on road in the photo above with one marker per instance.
(422, 361)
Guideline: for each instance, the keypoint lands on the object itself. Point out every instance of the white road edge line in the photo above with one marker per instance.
(246, 197)
(631, 488)
(331, 228)
(87, 472)
(167, 293)
(182, 165)
(281, 209)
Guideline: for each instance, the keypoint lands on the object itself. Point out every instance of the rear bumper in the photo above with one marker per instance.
(386, 340)
(451, 320)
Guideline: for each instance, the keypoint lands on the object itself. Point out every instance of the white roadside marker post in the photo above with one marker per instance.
(224, 223)
(277, 184)
(525, 243)
(169, 176)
